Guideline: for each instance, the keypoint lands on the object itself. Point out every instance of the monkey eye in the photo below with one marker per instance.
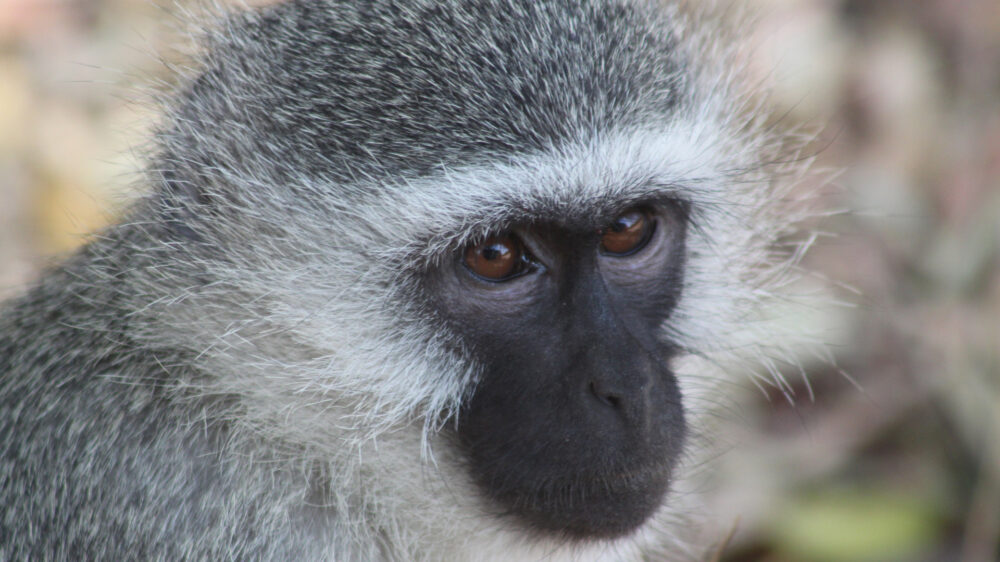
(628, 233)
(498, 258)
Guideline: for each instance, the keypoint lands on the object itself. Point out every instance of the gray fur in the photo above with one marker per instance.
(241, 370)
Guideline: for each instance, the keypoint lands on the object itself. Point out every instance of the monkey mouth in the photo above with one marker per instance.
(604, 505)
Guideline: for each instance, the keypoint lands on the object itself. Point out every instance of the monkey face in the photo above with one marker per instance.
(576, 422)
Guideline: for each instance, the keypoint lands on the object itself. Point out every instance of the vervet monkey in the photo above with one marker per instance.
(414, 280)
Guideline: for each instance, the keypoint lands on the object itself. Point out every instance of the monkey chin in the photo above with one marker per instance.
(590, 507)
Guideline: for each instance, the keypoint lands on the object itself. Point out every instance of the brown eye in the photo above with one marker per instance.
(497, 259)
(628, 233)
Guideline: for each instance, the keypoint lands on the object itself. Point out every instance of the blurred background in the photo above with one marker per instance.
(895, 452)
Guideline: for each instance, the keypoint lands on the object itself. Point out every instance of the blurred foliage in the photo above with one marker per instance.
(908, 467)
(843, 525)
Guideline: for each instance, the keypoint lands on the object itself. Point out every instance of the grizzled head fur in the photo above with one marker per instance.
(392, 131)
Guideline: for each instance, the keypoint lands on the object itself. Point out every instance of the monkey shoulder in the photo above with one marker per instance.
(103, 455)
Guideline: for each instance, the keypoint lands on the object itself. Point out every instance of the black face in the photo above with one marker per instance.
(577, 421)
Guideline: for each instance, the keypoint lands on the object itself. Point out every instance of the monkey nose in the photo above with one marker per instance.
(624, 395)
(606, 393)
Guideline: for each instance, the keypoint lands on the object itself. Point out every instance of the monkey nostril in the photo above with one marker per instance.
(610, 398)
